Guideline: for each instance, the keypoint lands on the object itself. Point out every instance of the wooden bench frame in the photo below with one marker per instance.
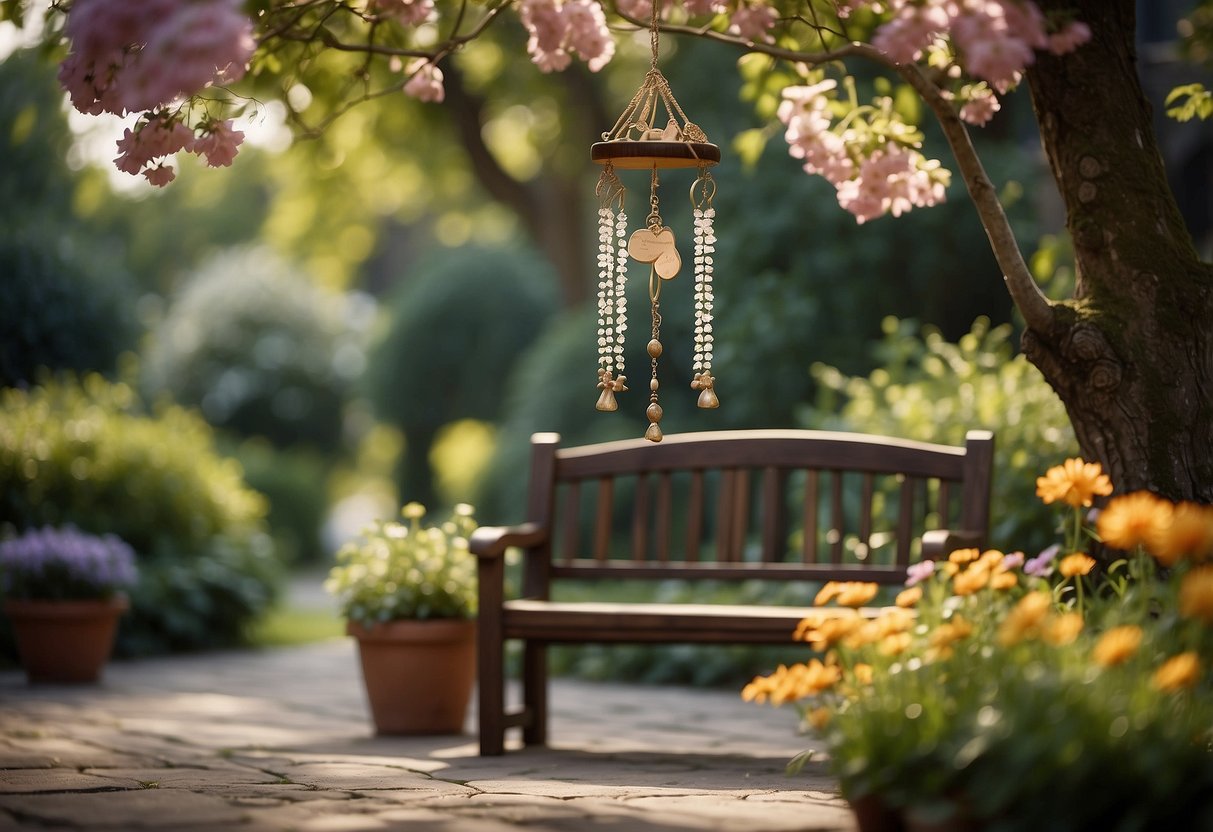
(538, 621)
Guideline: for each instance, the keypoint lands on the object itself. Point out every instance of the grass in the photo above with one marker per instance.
(287, 626)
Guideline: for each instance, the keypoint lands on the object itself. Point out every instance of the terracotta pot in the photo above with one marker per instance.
(872, 814)
(418, 674)
(65, 641)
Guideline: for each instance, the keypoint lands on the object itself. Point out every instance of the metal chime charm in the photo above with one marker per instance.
(637, 143)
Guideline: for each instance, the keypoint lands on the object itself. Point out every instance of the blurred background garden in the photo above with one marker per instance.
(236, 373)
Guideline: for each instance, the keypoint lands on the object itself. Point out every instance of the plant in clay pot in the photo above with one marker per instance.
(1012, 693)
(408, 593)
(62, 590)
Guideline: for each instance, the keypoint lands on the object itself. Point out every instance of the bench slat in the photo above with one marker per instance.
(572, 519)
(811, 487)
(664, 511)
(640, 519)
(710, 570)
(695, 516)
(602, 521)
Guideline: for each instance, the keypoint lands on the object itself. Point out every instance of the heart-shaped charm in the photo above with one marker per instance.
(646, 245)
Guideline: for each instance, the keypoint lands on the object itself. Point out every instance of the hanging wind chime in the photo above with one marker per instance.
(635, 143)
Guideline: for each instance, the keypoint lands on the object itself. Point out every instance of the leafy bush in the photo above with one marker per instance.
(86, 452)
(934, 391)
(396, 571)
(295, 484)
(457, 327)
(261, 349)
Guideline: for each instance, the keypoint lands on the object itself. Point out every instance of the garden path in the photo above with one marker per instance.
(279, 740)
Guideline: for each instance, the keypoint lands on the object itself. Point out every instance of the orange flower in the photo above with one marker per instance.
(857, 593)
(947, 634)
(823, 632)
(1074, 482)
(895, 643)
(863, 673)
(790, 683)
(1076, 564)
(1117, 645)
(1062, 629)
(1189, 532)
(1182, 671)
(969, 581)
(827, 593)
(1004, 580)
(1025, 618)
(909, 597)
(962, 556)
(818, 718)
(1196, 595)
(1132, 519)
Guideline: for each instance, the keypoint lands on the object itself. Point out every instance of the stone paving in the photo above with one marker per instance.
(280, 740)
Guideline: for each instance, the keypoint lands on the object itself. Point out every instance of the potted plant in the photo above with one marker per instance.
(408, 593)
(63, 592)
(1044, 693)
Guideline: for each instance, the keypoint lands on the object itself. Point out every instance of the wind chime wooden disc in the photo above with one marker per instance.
(645, 155)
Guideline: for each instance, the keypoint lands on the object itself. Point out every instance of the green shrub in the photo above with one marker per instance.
(86, 452)
(934, 391)
(260, 349)
(295, 483)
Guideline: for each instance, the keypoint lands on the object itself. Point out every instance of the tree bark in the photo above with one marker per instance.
(1131, 355)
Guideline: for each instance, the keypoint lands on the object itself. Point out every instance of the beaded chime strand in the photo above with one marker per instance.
(702, 191)
(612, 285)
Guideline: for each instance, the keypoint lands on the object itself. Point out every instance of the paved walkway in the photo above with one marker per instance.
(279, 740)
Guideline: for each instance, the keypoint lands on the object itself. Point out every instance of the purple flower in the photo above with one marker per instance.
(57, 564)
(1042, 565)
(919, 572)
(1013, 560)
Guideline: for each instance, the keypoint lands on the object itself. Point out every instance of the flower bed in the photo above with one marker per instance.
(1050, 693)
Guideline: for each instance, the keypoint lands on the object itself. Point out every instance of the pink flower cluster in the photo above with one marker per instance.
(995, 39)
(753, 23)
(425, 82)
(635, 9)
(407, 12)
(136, 55)
(888, 179)
(700, 7)
(158, 136)
(558, 29)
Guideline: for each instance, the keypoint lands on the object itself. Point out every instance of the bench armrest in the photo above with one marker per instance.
(492, 541)
(937, 544)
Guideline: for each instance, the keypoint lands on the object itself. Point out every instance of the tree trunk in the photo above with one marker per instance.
(1131, 355)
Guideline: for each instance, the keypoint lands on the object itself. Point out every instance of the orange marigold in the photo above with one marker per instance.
(863, 673)
(969, 581)
(1132, 519)
(1196, 595)
(1074, 482)
(1177, 672)
(895, 643)
(1004, 580)
(1078, 563)
(857, 593)
(1117, 645)
(909, 597)
(1188, 532)
(947, 634)
(818, 718)
(961, 556)
(827, 593)
(1025, 618)
(1062, 629)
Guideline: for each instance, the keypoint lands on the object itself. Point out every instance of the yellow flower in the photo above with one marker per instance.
(1074, 482)
(856, 593)
(818, 718)
(1196, 595)
(1188, 532)
(969, 581)
(1076, 564)
(909, 597)
(1025, 618)
(789, 683)
(1182, 671)
(991, 559)
(893, 621)
(827, 593)
(1133, 519)
(1062, 629)
(947, 634)
(1117, 645)
(863, 673)
(1004, 580)
(823, 631)
(962, 556)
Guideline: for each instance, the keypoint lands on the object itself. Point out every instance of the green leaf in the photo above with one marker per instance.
(749, 144)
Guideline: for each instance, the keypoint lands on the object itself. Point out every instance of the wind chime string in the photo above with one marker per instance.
(702, 191)
(612, 286)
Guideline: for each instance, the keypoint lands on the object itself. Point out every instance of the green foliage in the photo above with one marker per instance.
(929, 389)
(458, 324)
(1194, 101)
(295, 483)
(260, 349)
(396, 571)
(86, 452)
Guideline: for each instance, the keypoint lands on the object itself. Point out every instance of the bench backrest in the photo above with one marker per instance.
(772, 504)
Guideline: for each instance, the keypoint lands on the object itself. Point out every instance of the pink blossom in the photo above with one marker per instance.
(153, 138)
(406, 12)
(702, 7)
(981, 106)
(753, 23)
(893, 180)
(547, 28)
(219, 143)
(1072, 36)
(160, 175)
(919, 572)
(1013, 561)
(426, 82)
(588, 35)
(635, 9)
(990, 49)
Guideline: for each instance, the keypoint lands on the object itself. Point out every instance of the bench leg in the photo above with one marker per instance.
(490, 666)
(535, 692)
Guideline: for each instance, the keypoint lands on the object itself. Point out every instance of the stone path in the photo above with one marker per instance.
(279, 740)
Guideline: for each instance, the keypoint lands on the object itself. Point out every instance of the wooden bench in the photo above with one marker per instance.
(775, 505)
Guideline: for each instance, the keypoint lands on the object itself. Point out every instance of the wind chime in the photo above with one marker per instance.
(636, 144)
